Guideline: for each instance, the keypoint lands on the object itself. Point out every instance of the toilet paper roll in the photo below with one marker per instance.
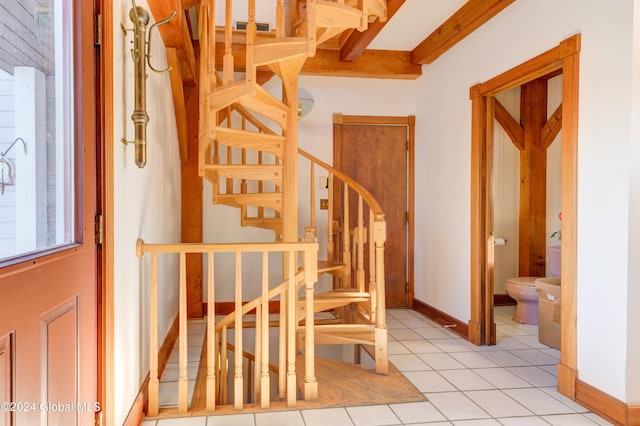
(499, 241)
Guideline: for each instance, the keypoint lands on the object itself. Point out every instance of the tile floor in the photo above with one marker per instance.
(511, 384)
(168, 392)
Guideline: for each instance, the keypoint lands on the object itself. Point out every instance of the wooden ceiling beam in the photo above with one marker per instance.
(357, 43)
(467, 19)
(387, 64)
(176, 34)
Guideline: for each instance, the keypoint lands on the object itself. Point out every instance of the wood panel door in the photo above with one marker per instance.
(374, 151)
(48, 302)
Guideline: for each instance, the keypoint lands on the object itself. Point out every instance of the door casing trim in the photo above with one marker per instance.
(564, 57)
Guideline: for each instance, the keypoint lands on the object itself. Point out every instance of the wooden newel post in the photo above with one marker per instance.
(382, 361)
(310, 277)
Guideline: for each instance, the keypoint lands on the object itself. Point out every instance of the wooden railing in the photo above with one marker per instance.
(216, 343)
(360, 247)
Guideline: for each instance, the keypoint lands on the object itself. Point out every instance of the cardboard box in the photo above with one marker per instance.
(549, 315)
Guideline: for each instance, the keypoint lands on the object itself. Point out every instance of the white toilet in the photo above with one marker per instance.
(523, 290)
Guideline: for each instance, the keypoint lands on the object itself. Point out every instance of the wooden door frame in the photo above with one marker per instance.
(106, 355)
(410, 122)
(565, 57)
(86, 186)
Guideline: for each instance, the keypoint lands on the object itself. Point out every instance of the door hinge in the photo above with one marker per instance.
(97, 30)
(407, 217)
(99, 418)
(408, 144)
(99, 229)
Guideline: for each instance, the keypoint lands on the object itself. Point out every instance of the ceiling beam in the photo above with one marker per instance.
(388, 64)
(176, 34)
(356, 44)
(467, 19)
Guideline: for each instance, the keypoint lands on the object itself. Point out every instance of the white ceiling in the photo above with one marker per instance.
(413, 22)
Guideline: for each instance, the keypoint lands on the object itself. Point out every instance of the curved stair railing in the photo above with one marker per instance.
(358, 247)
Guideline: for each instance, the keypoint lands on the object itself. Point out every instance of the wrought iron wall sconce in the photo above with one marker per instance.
(141, 54)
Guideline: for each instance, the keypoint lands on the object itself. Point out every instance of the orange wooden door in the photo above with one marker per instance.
(48, 297)
(375, 156)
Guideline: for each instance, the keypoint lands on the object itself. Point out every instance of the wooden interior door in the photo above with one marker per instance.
(374, 152)
(48, 303)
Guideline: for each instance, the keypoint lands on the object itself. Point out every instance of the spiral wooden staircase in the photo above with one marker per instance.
(249, 152)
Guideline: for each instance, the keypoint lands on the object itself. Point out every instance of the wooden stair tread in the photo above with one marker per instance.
(343, 294)
(269, 200)
(251, 140)
(328, 266)
(270, 51)
(340, 334)
(273, 223)
(264, 103)
(330, 14)
(271, 173)
(228, 94)
(375, 8)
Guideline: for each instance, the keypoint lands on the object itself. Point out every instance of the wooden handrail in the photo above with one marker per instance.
(142, 247)
(359, 189)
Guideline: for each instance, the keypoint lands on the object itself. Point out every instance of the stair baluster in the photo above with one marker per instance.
(360, 246)
(183, 345)
(224, 362)
(251, 34)
(212, 337)
(265, 379)
(346, 235)
(228, 65)
(238, 375)
(280, 20)
(154, 382)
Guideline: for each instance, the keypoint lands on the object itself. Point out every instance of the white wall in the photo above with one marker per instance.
(147, 206)
(443, 152)
(633, 295)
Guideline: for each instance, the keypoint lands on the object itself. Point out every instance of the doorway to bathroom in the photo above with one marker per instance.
(561, 61)
(527, 147)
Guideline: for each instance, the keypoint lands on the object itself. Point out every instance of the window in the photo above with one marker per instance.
(37, 197)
